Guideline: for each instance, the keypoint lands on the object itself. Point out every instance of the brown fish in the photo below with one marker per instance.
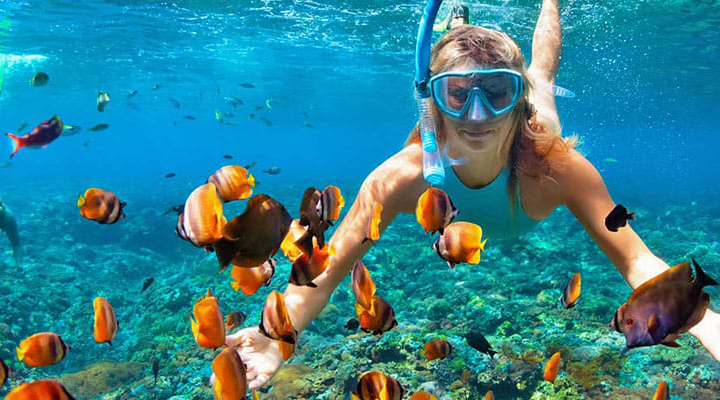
(363, 287)
(383, 320)
(234, 320)
(202, 220)
(39, 79)
(663, 307)
(4, 372)
(374, 385)
(42, 349)
(373, 228)
(230, 376)
(292, 252)
(106, 325)
(101, 206)
(275, 323)
(662, 392)
(552, 366)
(422, 396)
(209, 330)
(437, 349)
(249, 280)
(311, 217)
(39, 137)
(572, 292)
(617, 218)
(461, 242)
(232, 183)
(305, 270)
(435, 210)
(40, 390)
(255, 236)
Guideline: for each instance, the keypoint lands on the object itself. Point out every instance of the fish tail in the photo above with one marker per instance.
(16, 142)
(251, 180)
(20, 353)
(80, 201)
(701, 278)
(482, 245)
(194, 327)
(631, 215)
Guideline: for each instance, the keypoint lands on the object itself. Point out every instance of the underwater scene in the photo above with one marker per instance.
(200, 189)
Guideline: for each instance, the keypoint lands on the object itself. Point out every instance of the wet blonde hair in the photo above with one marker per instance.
(533, 148)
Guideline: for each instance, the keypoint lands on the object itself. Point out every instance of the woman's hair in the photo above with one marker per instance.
(534, 148)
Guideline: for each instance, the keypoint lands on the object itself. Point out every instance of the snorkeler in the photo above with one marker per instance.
(9, 226)
(490, 109)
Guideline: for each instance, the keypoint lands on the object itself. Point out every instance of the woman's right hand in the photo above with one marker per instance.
(260, 354)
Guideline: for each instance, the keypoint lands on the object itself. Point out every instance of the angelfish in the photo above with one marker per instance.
(662, 308)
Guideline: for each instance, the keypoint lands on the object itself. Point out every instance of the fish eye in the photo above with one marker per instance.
(629, 322)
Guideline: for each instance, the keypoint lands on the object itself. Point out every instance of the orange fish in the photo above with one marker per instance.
(374, 385)
(552, 366)
(202, 217)
(42, 349)
(572, 292)
(435, 210)
(489, 395)
(275, 323)
(235, 319)
(254, 236)
(4, 372)
(106, 325)
(373, 228)
(40, 390)
(288, 246)
(422, 396)
(230, 379)
(461, 242)
(209, 330)
(331, 202)
(437, 349)
(662, 392)
(232, 183)
(101, 206)
(311, 217)
(363, 287)
(381, 322)
(249, 280)
(305, 270)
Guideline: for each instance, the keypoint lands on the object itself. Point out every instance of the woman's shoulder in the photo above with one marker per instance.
(576, 174)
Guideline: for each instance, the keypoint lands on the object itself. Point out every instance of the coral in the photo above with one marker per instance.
(291, 381)
(102, 377)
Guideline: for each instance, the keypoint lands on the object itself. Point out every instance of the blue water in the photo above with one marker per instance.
(644, 74)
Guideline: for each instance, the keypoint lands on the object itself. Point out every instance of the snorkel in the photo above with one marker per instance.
(433, 169)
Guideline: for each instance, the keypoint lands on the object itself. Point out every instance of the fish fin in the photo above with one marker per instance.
(251, 180)
(631, 215)
(312, 285)
(80, 201)
(16, 142)
(441, 230)
(235, 285)
(451, 264)
(482, 245)
(20, 353)
(225, 250)
(701, 278)
(652, 323)
(305, 242)
(475, 257)
(194, 327)
(110, 343)
(671, 343)
(286, 350)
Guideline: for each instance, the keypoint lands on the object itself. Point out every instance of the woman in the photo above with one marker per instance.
(510, 139)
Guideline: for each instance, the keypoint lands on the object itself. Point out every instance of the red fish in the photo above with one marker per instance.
(40, 137)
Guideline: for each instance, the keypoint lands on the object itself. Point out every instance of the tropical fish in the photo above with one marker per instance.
(202, 219)
(99, 127)
(662, 392)
(249, 280)
(307, 125)
(251, 115)
(102, 99)
(288, 246)
(101, 206)
(552, 366)
(266, 121)
(234, 320)
(22, 126)
(190, 117)
(227, 156)
(39, 79)
(252, 164)
(572, 291)
(5, 164)
(268, 103)
(230, 376)
(305, 114)
(489, 395)
(461, 242)
(305, 269)
(618, 218)
(331, 202)
(42, 349)
(234, 101)
(156, 87)
(174, 102)
(610, 160)
(4, 372)
(437, 349)
(373, 227)
(311, 218)
(132, 93)
(259, 108)
(435, 210)
(208, 326)
(352, 324)
(477, 341)
(155, 369)
(147, 283)
(40, 390)
(70, 130)
(374, 385)
(39, 137)
(422, 396)
(663, 307)
(363, 287)
(106, 325)
(383, 319)
(254, 236)
(247, 85)
(275, 323)
(170, 175)
(232, 182)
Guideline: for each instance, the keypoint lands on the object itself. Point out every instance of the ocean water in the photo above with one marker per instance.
(333, 81)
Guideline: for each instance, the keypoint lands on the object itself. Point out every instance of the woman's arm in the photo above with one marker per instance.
(546, 49)
(396, 184)
(584, 193)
